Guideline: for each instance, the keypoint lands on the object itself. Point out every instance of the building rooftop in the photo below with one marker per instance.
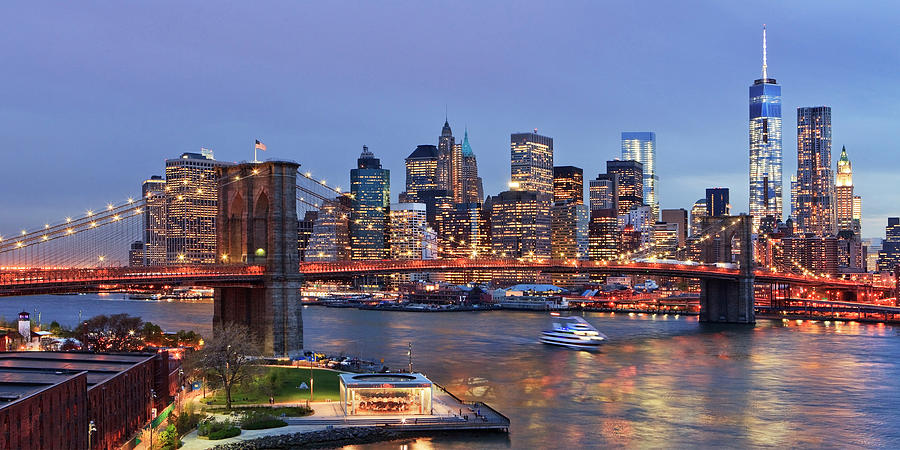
(25, 373)
(375, 380)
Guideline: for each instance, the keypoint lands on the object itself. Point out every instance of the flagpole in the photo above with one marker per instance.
(254, 152)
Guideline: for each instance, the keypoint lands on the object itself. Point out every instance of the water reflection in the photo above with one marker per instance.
(661, 381)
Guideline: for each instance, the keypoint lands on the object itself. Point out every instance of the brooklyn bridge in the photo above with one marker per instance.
(259, 275)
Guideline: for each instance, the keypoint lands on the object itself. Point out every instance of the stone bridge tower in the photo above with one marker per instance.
(257, 225)
(722, 300)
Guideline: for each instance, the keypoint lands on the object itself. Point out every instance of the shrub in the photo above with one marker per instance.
(225, 434)
(168, 438)
(214, 429)
(257, 420)
(187, 420)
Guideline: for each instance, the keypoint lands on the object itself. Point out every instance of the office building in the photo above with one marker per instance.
(641, 147)
(817, 255)
(851, 253)
(445, 162)
(520, 224)
(629, 183)
(466, 232)
(641, 218)
(472, 189)
(604, 192)
(765, 146)
(370, 188)
(330, 238)
(603, 235)
(889, 256)
(421, 172)
(717, 202)
(678, 217)
(568, 184)
(815, 178)
(569, 230)
(304, 232)
(848, 207)
(665, 240)
(531, 163)
(411, 237)
(191, 208)
(698, 212)
(154, 193)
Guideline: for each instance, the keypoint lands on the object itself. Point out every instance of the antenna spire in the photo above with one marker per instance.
(765, 74)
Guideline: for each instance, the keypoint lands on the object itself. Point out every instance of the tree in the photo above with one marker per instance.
(228, 356)
(115, 333)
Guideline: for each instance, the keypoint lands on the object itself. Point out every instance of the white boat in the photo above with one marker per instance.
(573, 332)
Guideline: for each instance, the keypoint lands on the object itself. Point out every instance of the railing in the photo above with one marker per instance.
(36, 277)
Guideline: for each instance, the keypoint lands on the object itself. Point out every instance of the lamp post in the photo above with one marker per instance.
(153, 405)
(91, 428)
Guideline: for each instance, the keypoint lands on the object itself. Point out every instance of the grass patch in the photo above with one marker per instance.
(282, 384)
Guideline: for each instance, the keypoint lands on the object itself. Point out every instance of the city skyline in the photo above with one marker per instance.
(124, 117)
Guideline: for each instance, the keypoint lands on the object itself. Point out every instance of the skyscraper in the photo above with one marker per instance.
(680, 218)
(604, 192)
(421, 172)
(472, 190)
(641, 147)
(466, 231)
(568, 184)
(765, 146)
(520, 224)
(370, 188)
(330, 238)
(698, 212)
(629, 182)
(411, 237)
(717, 203)
(889, 256)
(847, 206)
(815, 178)
(191, 208)
(154, 193)
(446, 142)
(531, 163)
(569, 230)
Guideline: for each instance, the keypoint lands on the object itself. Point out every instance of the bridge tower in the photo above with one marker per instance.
(257, 225)
(729, 300)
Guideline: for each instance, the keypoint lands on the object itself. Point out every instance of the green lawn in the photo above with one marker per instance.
(325, 387)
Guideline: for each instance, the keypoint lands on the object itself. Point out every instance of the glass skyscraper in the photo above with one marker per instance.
(641, 147)
(815, 177)
(765, 146)
(371, 204)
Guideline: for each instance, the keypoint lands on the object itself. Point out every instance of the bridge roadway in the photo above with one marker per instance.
(65, 280)
(32, 281)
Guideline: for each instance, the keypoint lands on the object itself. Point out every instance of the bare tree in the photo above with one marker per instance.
(228, 356)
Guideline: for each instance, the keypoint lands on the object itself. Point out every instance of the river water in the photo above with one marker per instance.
(660, 381)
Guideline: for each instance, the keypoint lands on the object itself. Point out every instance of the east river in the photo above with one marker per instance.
(661, 381)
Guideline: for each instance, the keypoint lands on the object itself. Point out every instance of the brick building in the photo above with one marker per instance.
(48, 399)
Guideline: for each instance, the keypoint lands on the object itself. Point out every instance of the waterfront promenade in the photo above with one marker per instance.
(449, 414)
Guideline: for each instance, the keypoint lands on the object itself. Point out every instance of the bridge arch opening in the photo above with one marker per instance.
(260, 229)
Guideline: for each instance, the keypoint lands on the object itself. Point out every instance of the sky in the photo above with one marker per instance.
(96, 95)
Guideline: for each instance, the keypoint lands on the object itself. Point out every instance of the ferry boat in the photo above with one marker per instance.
(573, 332)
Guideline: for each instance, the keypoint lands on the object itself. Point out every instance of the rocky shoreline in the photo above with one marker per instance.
(336, 437)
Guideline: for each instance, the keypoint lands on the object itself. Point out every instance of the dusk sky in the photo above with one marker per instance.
(98, 94)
